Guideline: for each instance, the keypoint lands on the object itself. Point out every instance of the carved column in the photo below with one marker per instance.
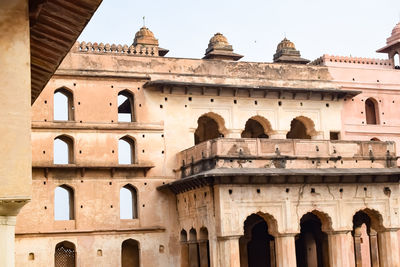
(184, 254)
(285, 250)
(341, 251)
(389, 248)
(244, 261)
(193, 254)
(374, 248)
(357, 247)
(228, 248)
(203, 253)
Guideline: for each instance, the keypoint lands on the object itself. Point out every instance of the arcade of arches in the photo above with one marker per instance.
(208, 128)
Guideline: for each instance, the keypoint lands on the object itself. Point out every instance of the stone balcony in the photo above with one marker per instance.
(249, 161)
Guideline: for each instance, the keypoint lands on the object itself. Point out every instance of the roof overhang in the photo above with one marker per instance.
(338, 93)
(387, 48)
(54, 27)
(256, 176)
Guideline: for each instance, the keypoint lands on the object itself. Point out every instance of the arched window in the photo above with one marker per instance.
(204, 247)
(126, 107)
(64, 203)
(65, 255)
(396, 61)
(63, 105)
(63, 150)
(253, 129)
(375, 139)
(130, 253)
(297, 130)
(126, 151)
(207, 129)
(128, 202)
(371, 111)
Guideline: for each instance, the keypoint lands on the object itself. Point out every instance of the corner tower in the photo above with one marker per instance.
(392, 47)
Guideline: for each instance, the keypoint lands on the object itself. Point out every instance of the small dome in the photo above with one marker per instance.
(396, 29)
(145, 37)
(218, 40)
(285, 43)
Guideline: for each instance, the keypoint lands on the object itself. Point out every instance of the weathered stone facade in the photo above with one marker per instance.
(230, 163)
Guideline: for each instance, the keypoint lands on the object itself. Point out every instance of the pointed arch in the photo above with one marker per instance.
(301, 127)
(396, 60)
(126, 106)
(64, 203)
(127, 150)
(375, 217)
(63, 104)
(65, 254)
(128, 202)
(325, 218)
(130, 253)
(192, 234)
(371, 111)
(257, 246)
(184, 237)
(209, 126)
(257, 127)
(63, 150)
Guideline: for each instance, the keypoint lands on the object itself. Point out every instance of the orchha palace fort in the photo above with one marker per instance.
(140, 159)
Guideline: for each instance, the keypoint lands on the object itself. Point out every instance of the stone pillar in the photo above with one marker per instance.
(203, 253)
(374, 248)
(184, 254)
(389, 248)
(341, 251)
(357, 247)
(285, 248)
(244, 261)
(7, 233)
(15, 121)
(228, 248)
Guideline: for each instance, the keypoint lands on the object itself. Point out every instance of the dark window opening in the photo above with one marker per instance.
(297, 130)
(371, 111)
(253, 129)
(207, 129)
(334, 135)
(126, 107)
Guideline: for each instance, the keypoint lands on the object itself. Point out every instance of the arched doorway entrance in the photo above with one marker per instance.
(130, 253)
(257, 246)
(311, 243)
(366, 247)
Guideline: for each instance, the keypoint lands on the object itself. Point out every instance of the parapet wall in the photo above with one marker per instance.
(331, 60)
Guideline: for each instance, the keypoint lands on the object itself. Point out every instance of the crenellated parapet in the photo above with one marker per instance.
(331, 59)
(83, 47)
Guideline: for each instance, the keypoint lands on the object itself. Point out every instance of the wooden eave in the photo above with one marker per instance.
(54, 27)
(166, 86)
(254, 176)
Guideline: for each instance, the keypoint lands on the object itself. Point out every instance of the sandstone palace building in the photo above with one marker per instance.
(148, 160)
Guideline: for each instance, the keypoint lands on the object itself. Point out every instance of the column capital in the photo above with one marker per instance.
(391, 229)
(8, 220)
(228, 237)
(339, 232)
(286, 235)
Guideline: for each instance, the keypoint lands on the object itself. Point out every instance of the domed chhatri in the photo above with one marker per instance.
(285, 43)
(392, 47)
(286, 53)
(145, 37)
(219, 48)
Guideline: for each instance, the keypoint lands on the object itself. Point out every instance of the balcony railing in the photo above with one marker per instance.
(286, 153)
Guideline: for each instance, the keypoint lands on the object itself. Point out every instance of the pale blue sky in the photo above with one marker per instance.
(253, 27)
